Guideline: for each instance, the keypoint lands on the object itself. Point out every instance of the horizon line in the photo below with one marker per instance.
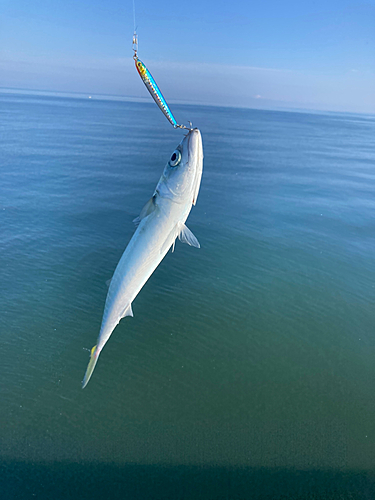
(145, 100)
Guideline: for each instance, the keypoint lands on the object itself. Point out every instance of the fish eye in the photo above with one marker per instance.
(175, 158)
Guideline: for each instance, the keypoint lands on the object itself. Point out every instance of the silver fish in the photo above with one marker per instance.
(160, 222)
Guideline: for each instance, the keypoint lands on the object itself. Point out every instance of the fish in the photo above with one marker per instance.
(160, 223)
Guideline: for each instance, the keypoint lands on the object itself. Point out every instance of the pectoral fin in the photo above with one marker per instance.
(146, 210)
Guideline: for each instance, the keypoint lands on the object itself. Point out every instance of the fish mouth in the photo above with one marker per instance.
(195, 155)
(195, 143)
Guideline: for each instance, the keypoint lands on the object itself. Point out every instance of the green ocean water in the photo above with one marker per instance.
(248, 369)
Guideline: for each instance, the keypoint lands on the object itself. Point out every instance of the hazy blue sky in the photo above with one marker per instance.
(305, 54)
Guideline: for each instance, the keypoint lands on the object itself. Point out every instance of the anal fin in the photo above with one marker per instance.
(128, 311)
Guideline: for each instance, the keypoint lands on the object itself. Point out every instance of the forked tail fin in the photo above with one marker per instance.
(90, 368)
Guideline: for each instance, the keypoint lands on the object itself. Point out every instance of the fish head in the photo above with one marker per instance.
(182, 174)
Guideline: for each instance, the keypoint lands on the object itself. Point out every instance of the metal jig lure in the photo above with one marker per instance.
(152, 86)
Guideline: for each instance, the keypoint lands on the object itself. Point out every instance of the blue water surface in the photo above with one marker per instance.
(248, 369)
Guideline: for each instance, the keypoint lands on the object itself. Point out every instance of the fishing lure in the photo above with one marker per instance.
(153, 88)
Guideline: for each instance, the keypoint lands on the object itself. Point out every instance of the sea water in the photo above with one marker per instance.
(248, 370)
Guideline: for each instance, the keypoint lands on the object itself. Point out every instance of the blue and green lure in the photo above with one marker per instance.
(152, 87)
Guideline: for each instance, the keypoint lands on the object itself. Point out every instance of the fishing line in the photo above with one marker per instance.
(135, 28)
(151, 84)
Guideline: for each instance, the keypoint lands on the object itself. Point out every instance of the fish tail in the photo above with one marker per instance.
(90, 367)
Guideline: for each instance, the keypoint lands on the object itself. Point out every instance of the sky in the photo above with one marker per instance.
(315, 54)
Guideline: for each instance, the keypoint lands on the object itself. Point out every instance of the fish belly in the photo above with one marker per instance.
(141, 257)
